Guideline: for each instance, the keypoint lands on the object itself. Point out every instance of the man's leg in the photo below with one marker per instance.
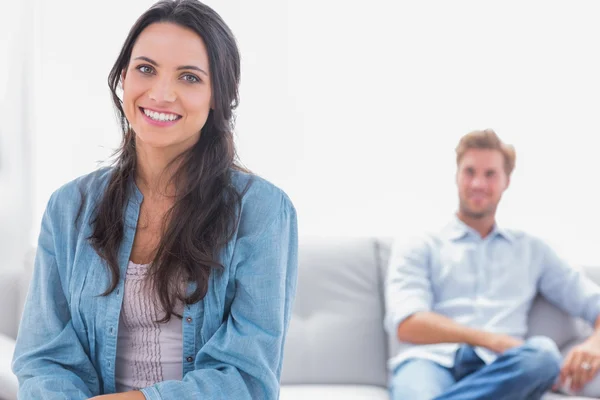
(522, 373)
(419, 379)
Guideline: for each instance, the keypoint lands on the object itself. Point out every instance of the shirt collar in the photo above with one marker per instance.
(457, 229)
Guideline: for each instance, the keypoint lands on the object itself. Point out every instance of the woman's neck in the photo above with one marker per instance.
(154, 172)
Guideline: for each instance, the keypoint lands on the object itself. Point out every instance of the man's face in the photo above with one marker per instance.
(481, 180)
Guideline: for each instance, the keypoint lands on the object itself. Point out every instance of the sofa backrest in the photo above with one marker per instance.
(336, 334)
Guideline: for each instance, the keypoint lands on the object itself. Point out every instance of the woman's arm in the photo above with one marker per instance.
(49, 360)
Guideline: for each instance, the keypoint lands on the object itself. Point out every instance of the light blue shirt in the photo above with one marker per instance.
(232, 340)
(484, 283)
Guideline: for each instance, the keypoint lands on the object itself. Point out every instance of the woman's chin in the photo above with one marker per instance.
(161, 142)
(153, 140)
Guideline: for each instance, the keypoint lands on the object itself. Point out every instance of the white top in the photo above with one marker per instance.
(147, 352)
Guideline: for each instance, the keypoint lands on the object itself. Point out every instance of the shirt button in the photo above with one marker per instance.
(190, 359)
(111, 330)
(189, 319)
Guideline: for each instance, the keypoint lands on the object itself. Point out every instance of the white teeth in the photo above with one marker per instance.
(160, 116)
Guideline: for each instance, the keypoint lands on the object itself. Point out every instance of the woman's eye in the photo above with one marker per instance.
(145, 69)
(190, 78)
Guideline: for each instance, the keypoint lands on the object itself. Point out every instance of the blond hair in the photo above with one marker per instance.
(487, 139)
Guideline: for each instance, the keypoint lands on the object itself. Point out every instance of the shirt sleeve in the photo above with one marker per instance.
(408, 287)
(568, 288)
(49, 360)
(243, 359)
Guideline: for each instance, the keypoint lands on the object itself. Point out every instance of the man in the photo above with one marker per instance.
(458, 300)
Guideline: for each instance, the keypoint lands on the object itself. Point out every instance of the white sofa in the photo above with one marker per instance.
(336, 347)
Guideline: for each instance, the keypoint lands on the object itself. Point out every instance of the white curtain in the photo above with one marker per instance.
(15, 88)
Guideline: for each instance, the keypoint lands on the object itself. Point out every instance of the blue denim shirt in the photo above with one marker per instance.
(484, 283)
(232, 340)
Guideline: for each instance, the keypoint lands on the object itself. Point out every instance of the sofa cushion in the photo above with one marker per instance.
(333, 392)
(336, 333)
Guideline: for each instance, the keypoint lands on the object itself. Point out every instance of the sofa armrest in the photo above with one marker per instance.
(10, 287)
(8, 381)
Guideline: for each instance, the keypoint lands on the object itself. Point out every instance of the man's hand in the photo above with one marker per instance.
(581, 364)
(121, 396)
(499, 343)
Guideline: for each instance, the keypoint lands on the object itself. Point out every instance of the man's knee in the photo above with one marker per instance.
(540, 357)
(419, 380)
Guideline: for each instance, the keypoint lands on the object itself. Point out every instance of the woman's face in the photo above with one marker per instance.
(166, 87)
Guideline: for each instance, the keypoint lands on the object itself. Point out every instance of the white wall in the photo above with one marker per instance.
(15, 179)
(354, 108)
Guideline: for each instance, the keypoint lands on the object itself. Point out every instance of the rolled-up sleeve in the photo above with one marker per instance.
(568, 288)
(407, 285)
(243, 359)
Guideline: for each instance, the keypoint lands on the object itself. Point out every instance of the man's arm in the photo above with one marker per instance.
(429, 328)
(573, 292)
(566, 287)
(596, 334)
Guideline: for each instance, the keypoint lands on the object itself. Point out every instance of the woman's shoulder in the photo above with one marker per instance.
(255, 189)
(84, 188)
(260, 198)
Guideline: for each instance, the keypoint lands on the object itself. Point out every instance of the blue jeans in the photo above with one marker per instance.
(522, 373)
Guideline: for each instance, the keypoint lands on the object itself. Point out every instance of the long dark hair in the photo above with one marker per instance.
(204, 215)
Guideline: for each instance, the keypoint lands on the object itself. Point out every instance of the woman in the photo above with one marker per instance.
(170, 275)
